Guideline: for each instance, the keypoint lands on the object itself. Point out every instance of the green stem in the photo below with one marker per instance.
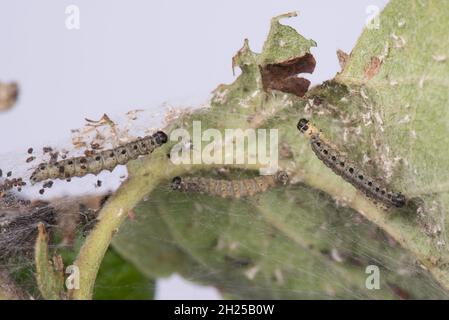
(113, 214)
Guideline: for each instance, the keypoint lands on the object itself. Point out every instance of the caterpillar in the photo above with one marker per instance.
(97, 162)
(348, 170)
(229, 188)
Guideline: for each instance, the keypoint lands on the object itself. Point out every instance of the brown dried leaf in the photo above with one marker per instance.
(284, 76)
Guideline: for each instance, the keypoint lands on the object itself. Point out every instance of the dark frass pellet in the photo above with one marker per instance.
(48, 184)
(41, 191)
(30, 150)
(29, 159)
(99, 183)
(8, 174)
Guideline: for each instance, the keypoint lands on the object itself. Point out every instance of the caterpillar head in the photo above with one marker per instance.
(303, 125)
(160, 137)
(282, 177)
(176, 183)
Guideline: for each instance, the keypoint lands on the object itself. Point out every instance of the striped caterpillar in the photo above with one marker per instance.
(97, 162)
(332, 158)
(229, 188)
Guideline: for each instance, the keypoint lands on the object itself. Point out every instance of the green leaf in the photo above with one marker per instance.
(314, 239)
(283, 42)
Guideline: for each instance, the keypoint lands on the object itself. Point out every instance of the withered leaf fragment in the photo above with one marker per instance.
(283, 76)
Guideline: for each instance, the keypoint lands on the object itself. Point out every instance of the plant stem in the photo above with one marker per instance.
(112, 215)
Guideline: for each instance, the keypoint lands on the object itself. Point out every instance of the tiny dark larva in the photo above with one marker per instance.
(229, 188)
(97, 162)
(347, 169)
